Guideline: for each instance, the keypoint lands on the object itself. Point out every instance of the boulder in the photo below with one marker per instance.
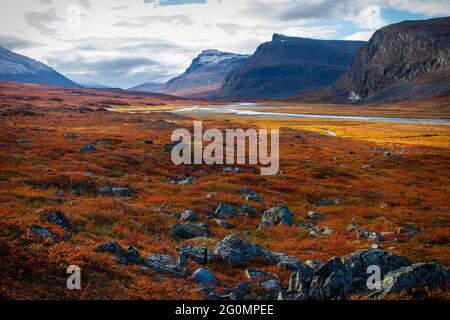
(122, 192)
(133, 256)
(251, 195)
(190, 230)
(233, 169)
(186, 182)
(419, 275)
(240, 253)
(200, 255)
(333, 280)
(280, 215)
(225, 210)
(300, 281)
(203, 276)
(43, 233)
(164, 264)
(110, 247)
(359, 261)
(409, 230)
(287, 262)
(189, 216)
(259, 275)
(248, 210)
(88, 148)
(315, 216)
(314, 264)
(224, 224)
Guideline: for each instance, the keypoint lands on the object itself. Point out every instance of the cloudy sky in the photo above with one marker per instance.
(122, 43)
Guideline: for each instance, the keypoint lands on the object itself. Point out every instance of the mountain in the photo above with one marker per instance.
(204, 77)
(410, 59)
(17, 68)
(287, 66)
(148, 87)
(92, 85)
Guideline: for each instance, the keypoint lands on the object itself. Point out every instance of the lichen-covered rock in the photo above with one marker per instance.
(300, 281)
(201, 255)
(110, 247)
(204, 276)
(359, 261)
(189, 215)
(239, 252)
(287, 262)
(190, 230)
(43, 233)
(225, 210)
(280, 215)
(333, 280)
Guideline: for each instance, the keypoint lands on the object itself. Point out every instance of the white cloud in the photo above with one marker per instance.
(174, 34)
(361, 36)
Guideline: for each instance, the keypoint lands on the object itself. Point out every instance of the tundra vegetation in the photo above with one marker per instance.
(82, 185)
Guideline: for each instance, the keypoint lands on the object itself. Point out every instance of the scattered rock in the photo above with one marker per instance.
(409, 230)
(187, 182)
(248, 210)
(259, 275)
(169, 147)
(234, 170)
(241, 290)
(239, 252)
(43, 233)
(352, 227)
(164, 264)
(300, 281)
(314, 264)
(251, 195)
(224, 224)
(315, 216)
(133, 256)
(123, 192)
(189, 216)
(360, 260)
(362, 234)
(70, 136)
(190, 230)
(88, 148)
(201, 255)
(148, 142)
(110, 247)
(203, 276)
(225, 210)
(287, 262)
(419, 275)
(375, 236)
(280, 215)
(332, 280)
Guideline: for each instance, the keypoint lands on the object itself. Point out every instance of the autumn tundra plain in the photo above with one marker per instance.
(384, 178)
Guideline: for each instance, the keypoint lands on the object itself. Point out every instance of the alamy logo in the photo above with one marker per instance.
(190, 149)
(74, 280)
(374, 280)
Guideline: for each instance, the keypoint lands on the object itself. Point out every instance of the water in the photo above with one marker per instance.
(239, 109)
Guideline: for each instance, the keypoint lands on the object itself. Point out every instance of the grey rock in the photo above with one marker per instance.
(70, 136)
(352, 227)
(332, 280)
(251, 195)
(248, 210)
(123, 192)
(224, 224)
(280, 215)
(203, 276)
(43, 233)
(300, 281)
(430, 275)
(169, 147)
(240, 253)
(186, 182)
(133, 256)
(409, 230)
(315, 216)
(201, 255)
(375, 236)
(314, 264)
(287, 262)
(225, 210)
(358, 262)
(88, 148)
(110, 247)
(232, 169)
(58, 218)
(362, 234)
(189, 215)
(241, 290)
(164, 264)
(190, 230)
(258, 275)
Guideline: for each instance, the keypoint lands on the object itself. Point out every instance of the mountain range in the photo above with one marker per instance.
(407, 60)
(18, 68)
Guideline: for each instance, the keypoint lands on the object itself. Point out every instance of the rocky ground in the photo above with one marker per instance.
(80, 185)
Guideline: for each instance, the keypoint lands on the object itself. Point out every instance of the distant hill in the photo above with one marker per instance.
(18, 68)
(148, 87)
(287, 66)
(406, 60)
(202, 79)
